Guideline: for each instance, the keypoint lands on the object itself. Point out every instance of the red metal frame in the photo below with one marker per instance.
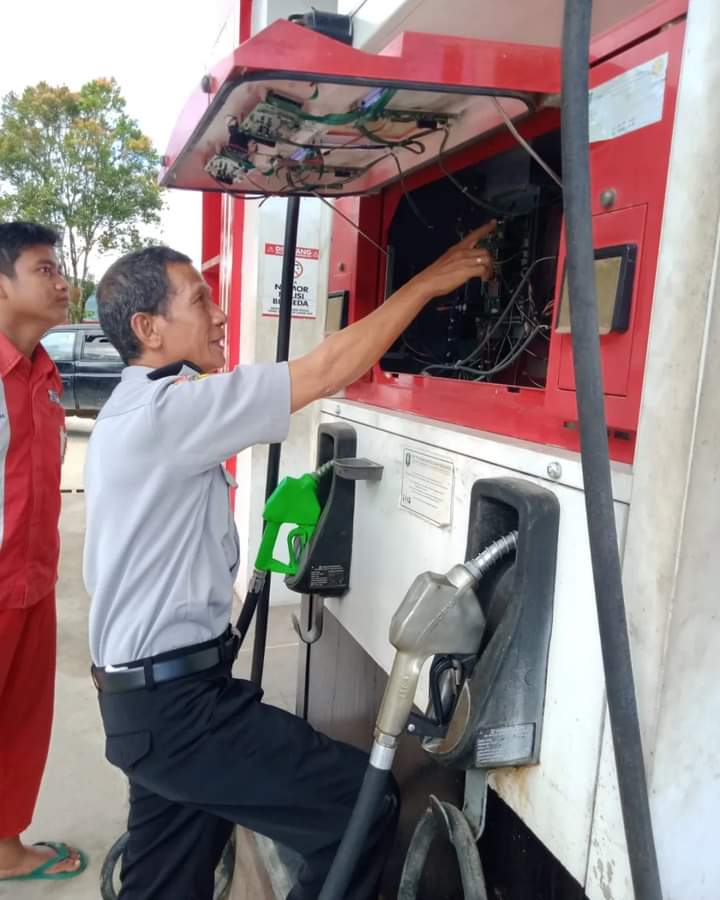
(635, 166)
(213, 231)
(636, 28)
(285, 53)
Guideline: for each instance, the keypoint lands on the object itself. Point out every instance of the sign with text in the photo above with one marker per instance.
(427, 488)
(304, 301)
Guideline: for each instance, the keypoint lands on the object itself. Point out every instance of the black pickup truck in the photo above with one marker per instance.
(89, 365)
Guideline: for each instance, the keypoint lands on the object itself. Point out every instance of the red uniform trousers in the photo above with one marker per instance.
(27, 690)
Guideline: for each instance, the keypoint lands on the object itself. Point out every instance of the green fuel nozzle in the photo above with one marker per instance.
(293, 502)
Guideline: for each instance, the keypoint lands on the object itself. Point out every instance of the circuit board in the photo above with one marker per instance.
(280, 137)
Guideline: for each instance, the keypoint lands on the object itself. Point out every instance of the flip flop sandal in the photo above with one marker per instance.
(62, 852)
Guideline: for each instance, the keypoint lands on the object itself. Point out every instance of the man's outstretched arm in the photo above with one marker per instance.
(346, 355)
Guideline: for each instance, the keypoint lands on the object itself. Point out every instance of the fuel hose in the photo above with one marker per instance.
(605, 556)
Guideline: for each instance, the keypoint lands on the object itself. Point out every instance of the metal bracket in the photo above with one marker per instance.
(314, 632)
(475, 800)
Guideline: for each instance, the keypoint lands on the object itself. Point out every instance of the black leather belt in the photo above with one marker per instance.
(146, 673)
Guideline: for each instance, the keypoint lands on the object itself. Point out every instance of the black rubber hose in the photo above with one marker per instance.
(249, 605)
(367, 805)
(273, 465)
(462, 839)
(223, 873)
(607, 574)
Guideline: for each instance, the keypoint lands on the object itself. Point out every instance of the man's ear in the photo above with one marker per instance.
(145, 329)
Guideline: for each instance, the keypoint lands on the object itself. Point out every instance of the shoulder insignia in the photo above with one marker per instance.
(182, 379)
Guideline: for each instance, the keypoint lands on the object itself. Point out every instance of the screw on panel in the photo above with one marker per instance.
(608, 198)
(554, 470)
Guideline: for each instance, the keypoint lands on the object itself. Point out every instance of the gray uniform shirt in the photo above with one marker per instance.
(161, 549)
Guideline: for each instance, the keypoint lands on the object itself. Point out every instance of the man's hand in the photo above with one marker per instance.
(345, 355)
(461, 262)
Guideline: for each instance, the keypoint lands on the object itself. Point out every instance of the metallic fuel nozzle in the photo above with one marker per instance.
(440, 614)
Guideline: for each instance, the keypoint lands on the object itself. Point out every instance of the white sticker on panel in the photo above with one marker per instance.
(428, 484)
(631, 101)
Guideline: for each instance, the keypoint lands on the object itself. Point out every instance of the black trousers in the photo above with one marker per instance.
(204, 753)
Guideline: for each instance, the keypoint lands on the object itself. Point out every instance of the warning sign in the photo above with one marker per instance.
(304, 301)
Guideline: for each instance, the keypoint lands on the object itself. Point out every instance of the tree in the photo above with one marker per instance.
(78, 162)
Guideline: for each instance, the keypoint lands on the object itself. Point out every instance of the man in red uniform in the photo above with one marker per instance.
(33, 298)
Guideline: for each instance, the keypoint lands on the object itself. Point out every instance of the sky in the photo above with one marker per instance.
(157, 50)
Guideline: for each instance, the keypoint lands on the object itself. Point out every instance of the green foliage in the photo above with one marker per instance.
(78, 162)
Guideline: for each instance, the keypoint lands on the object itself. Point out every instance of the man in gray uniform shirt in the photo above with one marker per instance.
(200, 749)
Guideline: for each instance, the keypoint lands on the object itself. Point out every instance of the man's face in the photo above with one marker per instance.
(193, 327)
(37, 294)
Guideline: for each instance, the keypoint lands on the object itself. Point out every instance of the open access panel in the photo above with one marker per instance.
(417, 146)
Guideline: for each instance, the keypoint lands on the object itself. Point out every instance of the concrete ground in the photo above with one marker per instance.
(83, 798)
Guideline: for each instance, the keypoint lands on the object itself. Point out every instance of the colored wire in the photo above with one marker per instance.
(523, 143)
(404, 144)
(482, 204)
(350, 222)
(348, 118)
(503, 364)
(503, 315)
(411, 203)
(357, 9)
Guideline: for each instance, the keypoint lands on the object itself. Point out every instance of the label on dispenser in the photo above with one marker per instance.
(629, 101)
(331, 576)
(504, 745)
(428, 485)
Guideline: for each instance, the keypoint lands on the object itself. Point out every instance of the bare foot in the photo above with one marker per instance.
(17, 859)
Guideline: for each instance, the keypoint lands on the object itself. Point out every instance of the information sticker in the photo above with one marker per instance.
(427, 488)
(631, 101)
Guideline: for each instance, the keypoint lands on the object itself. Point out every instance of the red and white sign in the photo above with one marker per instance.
(300, 252)
(304, 303)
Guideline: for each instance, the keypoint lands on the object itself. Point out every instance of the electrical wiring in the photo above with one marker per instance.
(482, 375)
(512, 356)
(373, 111)
(523, 143)
(411, 203)
(349, 145)
(357, 173)
(481, 204)
(350, 222)
(420, 355)
(237, 150)
(405, 143)
(503, 315)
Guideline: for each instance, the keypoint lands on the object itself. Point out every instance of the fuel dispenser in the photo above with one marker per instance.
(487, 624)
(386, 137)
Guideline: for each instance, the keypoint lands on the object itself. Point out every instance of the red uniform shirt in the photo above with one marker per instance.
(32, 445)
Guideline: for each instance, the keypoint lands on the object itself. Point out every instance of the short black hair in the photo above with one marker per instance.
(137, 282)
(16, 237)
